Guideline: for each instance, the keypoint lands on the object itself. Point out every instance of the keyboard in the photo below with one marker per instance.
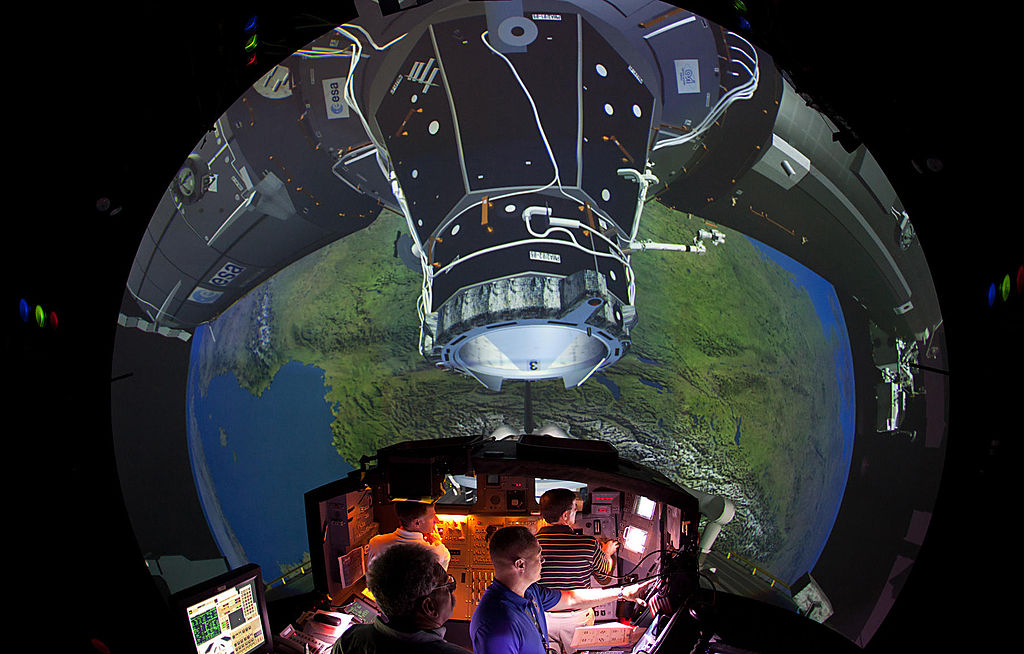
(295, 642)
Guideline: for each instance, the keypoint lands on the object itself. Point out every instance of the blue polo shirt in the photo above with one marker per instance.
(507, 623)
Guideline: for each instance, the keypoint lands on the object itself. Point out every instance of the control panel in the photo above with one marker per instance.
(601, 520)
(505, 494)
(466, 537)
(642, 526)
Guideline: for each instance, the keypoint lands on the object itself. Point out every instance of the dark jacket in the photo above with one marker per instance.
(379, 638)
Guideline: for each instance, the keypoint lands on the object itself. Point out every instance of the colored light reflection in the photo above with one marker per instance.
(53, 320)
(1020, 279)
(24, 310)
(992, 294)
(1004, 288)
(453, 517)
(40, 316)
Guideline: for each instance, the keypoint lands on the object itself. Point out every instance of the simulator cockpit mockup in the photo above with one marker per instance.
(479, 485)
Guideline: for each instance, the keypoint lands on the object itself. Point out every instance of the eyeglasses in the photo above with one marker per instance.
(450, 585)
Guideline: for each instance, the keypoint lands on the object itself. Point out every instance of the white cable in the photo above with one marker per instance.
(557, 179)
(536, 118)
(644, 179)
(621, 257)
(528, 241)
(744, 91)
(563, 224)
(744, 53)
(735, 61)
(383, 162)
(370, 38)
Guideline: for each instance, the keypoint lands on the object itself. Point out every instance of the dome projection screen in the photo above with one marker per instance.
(621, 208)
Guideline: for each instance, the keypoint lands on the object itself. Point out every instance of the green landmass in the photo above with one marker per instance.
(738, 349)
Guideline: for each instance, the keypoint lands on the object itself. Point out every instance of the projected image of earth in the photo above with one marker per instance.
(739, 382)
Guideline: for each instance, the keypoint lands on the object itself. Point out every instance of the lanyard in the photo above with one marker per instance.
(533, 618)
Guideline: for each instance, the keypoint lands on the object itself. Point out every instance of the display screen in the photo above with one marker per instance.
(645, 507)
(458, 490)
(629, 233)
(634, 539)
(228, 622)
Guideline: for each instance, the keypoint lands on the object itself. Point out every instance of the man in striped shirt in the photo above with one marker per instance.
(569, 561)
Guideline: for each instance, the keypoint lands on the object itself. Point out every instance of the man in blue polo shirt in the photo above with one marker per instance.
(510, 616)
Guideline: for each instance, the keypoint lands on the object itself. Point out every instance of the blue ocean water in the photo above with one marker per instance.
(262, 455)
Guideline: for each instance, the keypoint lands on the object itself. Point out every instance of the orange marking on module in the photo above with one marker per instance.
(622, 149)
(413, 110)
(658, 19)
(483, 215)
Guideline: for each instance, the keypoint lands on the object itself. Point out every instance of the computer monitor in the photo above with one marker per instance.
(227, 614)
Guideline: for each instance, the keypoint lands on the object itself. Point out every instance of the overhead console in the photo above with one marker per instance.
(480, 485)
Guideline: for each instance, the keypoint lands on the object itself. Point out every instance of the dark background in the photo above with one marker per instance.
(105, 104)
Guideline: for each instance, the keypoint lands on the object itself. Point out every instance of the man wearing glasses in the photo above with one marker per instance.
(510, 616)
(416, 595)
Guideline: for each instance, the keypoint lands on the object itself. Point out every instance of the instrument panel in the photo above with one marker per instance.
(466, 538)
(474, 507)
(607, 514)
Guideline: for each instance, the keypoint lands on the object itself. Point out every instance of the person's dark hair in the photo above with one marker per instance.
(401, 577)
(511, 543)
(555, 502)
(409, 511)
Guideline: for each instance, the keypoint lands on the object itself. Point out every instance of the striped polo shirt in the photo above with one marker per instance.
(569, 558)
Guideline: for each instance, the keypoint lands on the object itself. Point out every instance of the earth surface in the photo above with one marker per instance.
(739, 382)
